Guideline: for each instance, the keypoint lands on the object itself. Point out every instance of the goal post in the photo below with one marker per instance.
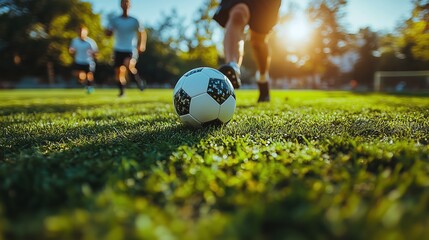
(380, 75)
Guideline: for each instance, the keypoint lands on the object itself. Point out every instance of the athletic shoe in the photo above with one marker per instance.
(232, 72)
(121, 89)
(89, 89)
(264, 92)
(141, 84)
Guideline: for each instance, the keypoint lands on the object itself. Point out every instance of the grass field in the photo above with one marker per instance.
(308, 165)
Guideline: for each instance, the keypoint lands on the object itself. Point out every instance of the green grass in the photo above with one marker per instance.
(308, 165)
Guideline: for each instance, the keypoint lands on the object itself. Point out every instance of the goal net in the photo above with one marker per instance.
(399, 81)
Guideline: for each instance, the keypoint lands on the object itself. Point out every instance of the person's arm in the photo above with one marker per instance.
(108, 32)
(142, 39)
(109, 29)
(72, 49)
(94, 51)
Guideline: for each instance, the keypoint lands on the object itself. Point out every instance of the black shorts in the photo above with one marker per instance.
(119, 58)
(82, 67)
(263, 13)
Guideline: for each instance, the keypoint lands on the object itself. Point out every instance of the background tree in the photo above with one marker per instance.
(174, 48)
(391, 59)
(201, 46)
(364, 69)
(309, 57)
(408, 48)
(329, 36)
(161, 62)
(414, 38)
(36, 34)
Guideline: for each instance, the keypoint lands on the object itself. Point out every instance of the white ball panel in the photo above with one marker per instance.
(213, 73)
(190, 121)
(195, 84)
(204, 108)
(227, 109)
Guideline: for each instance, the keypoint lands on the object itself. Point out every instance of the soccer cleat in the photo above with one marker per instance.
(89, 89)
(121, 89)
(141, 84)
(232, 72)
(264, 92)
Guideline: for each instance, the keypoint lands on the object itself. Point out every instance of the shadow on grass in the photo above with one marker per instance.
(40, 108)
(51, 171)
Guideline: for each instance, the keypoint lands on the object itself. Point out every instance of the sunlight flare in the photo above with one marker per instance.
(295, 31)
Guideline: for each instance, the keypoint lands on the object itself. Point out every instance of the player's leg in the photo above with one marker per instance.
(90, 82)
(120, 72)
(75, 72)
(79, 72)
(260, 48)
(134, 73)
(89, 76)
(119, 81)
(122, 79)
(233, 43)
(81, 75)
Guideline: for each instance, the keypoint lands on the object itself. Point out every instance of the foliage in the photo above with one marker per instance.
(174, 46)
(404, 50)
(309, 165)
(50, 25)
(366, 65)
(329, 36)
(390, 59)
(171, 50)
(415, 35)
(311, 56)
(160, 62)
(201, 47)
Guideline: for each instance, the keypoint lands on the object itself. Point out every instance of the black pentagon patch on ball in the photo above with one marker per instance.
(219, 90)
(213, 123)
(182, 102)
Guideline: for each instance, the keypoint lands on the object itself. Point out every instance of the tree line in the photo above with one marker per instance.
(35, 35)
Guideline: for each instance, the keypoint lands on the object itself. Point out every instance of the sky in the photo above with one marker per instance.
(379, 15)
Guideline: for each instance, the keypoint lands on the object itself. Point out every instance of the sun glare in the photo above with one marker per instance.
(297, 31)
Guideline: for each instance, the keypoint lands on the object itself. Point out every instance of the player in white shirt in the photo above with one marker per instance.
(130, 42)
(84, 50)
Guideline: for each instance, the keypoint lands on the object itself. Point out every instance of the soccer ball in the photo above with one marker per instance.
(204, 96)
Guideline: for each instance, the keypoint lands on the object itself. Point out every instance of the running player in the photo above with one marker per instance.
(130, 42)
(260, 16)
(84, 50)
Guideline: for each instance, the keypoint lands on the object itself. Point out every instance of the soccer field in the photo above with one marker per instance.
(308, 165)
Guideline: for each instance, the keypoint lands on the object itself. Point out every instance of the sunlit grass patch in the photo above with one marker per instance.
(310, 164)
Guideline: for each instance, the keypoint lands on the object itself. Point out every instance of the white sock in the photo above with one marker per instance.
(261, 77)
(234, 65)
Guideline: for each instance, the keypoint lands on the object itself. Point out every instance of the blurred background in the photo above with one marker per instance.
(317, 44)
